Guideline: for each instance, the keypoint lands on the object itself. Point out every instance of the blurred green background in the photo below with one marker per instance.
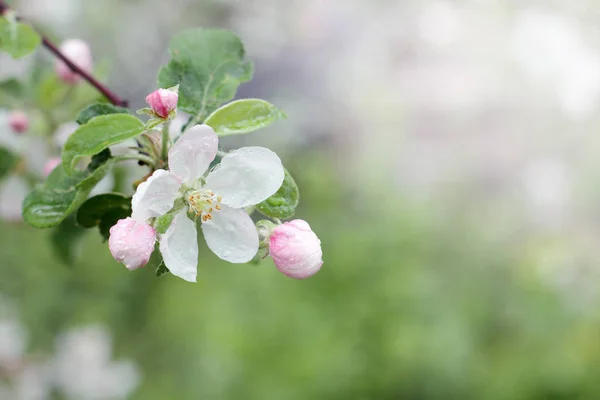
(446, 153)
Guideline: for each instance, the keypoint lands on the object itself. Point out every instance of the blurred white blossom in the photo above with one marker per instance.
(552, 51)
(83, 368)
(440, 23)
(80, 369)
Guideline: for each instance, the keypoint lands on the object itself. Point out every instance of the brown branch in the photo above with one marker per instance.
(110, 96)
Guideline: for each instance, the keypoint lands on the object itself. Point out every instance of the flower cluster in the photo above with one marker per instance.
(190, 193)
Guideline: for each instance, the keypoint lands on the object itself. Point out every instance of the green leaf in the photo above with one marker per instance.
(208, 65)
(243, 116)
(65, 239)
(161, 269)
(283, 203)
(97, 109)
(11, 92)
(50, 203)
(17, 39)
(99, 133)
(156, 262)
(7, 161)
(163, 222)
(99, 159)
(104, 211)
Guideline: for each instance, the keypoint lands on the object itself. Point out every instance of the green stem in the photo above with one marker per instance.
(221, 153)
(166, 138)
(139, 157)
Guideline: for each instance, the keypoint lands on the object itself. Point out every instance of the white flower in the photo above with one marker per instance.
(83, 368)
(244, 177)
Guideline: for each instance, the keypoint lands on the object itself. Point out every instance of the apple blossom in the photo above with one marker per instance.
(131, 242)
(162, 102)
(18, 121)
(244, 177)
(79, 53)
(295, 249)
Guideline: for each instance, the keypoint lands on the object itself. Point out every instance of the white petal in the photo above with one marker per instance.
(179, 247)
(105, 185)
(63, 132)
(246, 176)
(191, 155)
(13, 191)
(231, 235)
(155, 196)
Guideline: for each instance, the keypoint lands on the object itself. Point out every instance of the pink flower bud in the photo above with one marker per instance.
(132, 242)
(78, 51)
(295, 249)
(162, 102)
(18, 121)
(50, 165)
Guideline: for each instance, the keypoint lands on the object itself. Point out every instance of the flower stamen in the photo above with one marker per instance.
(203, 203)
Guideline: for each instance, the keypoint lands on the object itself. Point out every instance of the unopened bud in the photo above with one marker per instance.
(295, 249)
(162, 102)
(132, 242)
(18, 121)
(77, 51)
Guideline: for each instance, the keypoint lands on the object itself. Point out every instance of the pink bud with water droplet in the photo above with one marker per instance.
(295, 249)
(162, 102)
(132, 242)
(18, 121)
(77, 51)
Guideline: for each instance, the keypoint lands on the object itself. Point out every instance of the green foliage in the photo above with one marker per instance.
(161, 269)
(98, 134)
(7, 161)
(156, 262)
(50, 93)
(17, 39)
(163, 222)
(99, 159)
(243, 116)
(104, 211)
(61, 195)
(283, 203)
(208, 65)
(11, 92)
(65, 239)
(97, 109)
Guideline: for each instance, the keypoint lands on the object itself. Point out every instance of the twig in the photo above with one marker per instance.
(110, 96)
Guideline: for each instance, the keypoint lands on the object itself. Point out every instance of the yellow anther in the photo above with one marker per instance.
(218, 207)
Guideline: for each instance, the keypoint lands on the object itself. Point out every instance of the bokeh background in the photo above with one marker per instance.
(447, 156)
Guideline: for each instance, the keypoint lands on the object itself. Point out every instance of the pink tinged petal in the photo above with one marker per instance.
(13, 191)
(162, 102)
(246, 176)
(132, 242)
(295, 249)
(50, 165)
(179, 247)
(231, 235)
(77, 51)
(155, 196)
(18, 121)
(191, 155)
